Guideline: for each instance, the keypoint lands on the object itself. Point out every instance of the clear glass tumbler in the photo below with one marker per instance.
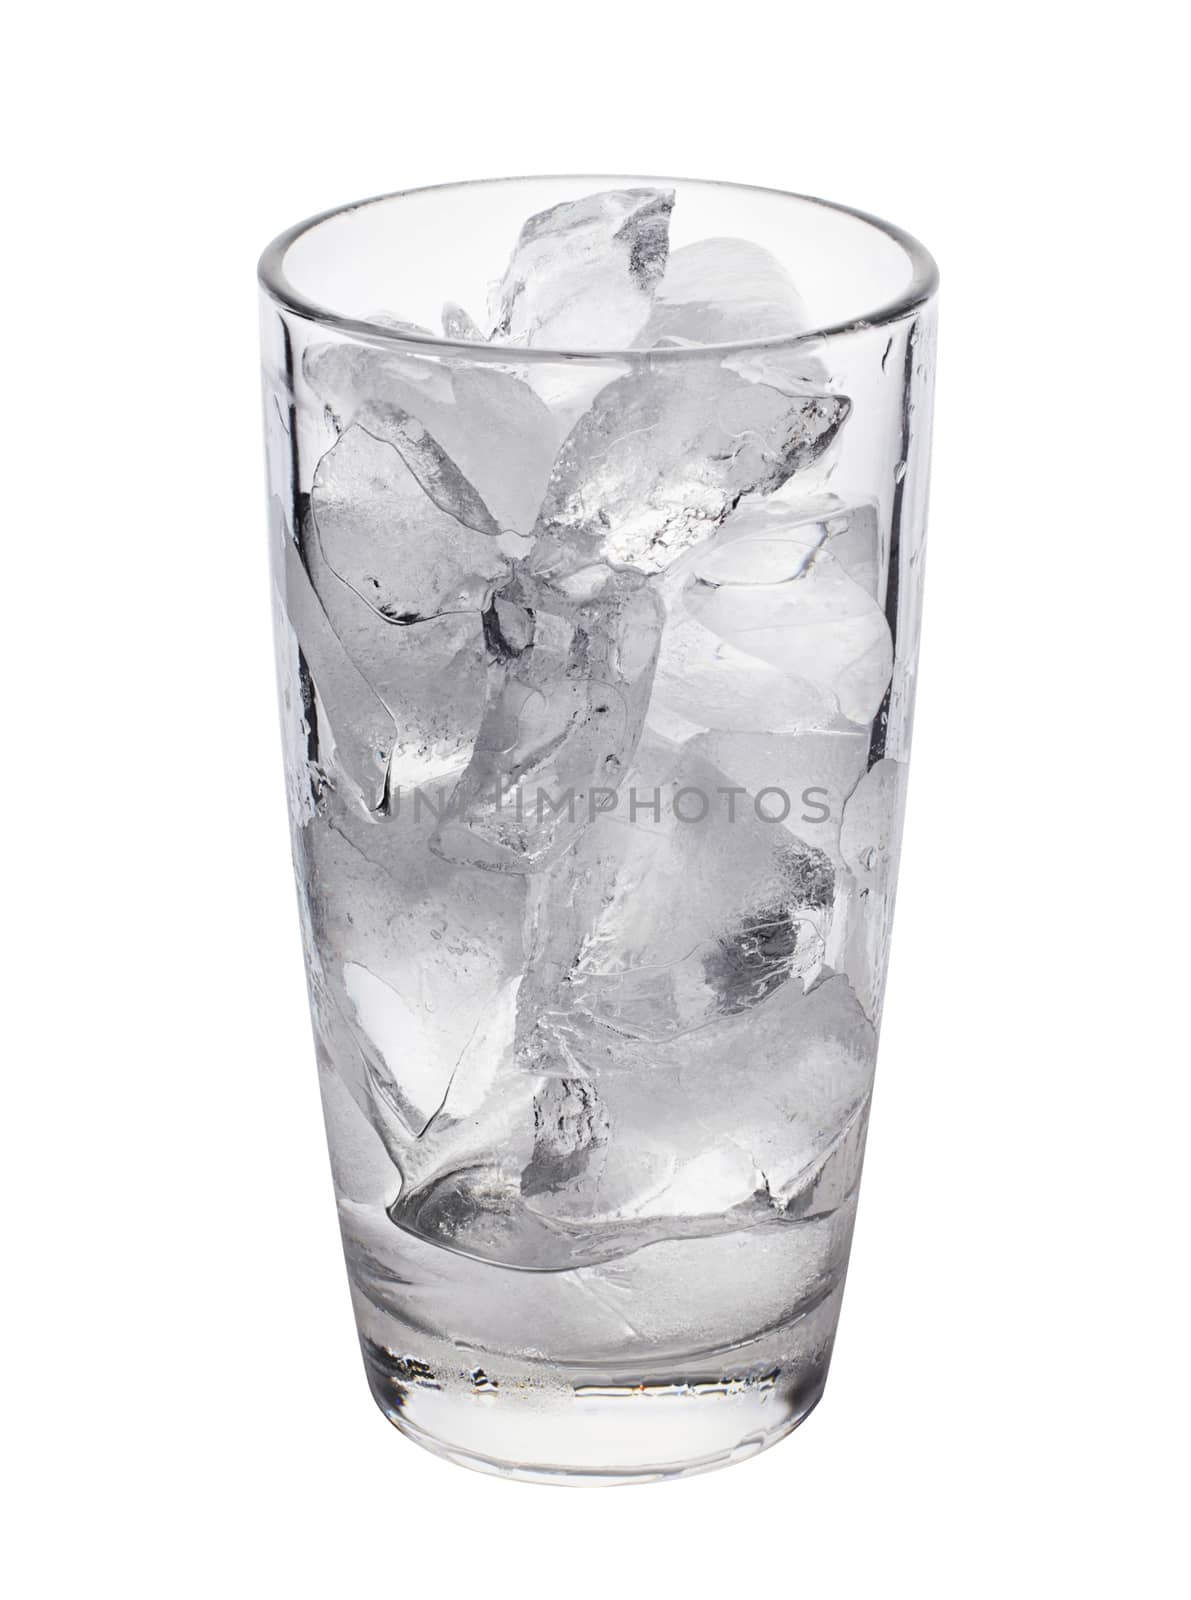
(596, 620)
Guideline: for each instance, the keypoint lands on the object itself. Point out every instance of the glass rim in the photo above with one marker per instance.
(271, 275)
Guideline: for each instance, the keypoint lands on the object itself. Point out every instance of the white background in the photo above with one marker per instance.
(185, 1411)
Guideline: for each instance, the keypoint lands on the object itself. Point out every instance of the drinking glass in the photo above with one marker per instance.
(597, 521)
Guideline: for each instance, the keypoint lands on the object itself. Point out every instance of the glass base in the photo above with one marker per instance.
(599, 1427)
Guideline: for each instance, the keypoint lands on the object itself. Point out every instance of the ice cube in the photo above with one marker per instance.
(872, 824)
(664, 454)
(772, 589)
(504, 438)
(814, 772)
(718, 291)
(583, 273)
(561, 725)
(409, 959)
(679, 1296)
(853, 538)
(682, 904)
(429, 678)
(484, 1118)
(346, 377)
(458, 323)
(508, 627)
(373, 388)
(403, 701)
(348, 711)
(382, 535)
(486, 419)
(707, 683)
(724, 1130)
(569, 1124)
(766, 1089)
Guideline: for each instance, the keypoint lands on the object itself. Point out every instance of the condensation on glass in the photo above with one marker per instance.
(597, 517)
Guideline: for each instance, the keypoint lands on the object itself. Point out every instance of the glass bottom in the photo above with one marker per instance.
(566, 1425)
